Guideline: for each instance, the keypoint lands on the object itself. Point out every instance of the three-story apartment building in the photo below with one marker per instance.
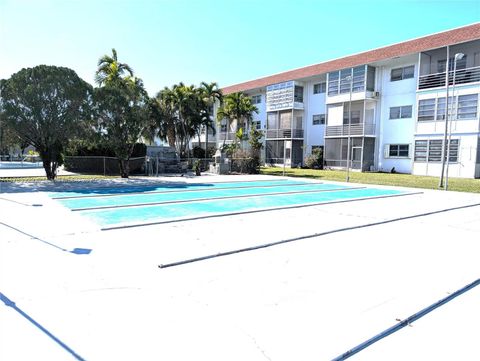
(381, 109)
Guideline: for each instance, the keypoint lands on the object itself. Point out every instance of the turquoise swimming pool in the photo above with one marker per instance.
(116, 207)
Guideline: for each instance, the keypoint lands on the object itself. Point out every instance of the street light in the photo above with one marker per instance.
(350, 79)
(458, 56)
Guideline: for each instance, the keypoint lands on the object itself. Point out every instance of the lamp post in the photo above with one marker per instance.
(350, 79)
(458, 56)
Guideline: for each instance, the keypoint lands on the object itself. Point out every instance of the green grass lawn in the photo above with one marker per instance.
(400, 180)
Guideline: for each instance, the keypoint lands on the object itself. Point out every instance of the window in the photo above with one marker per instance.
(298, 95)
(463, 107)
(467, 106)
(434, 149)
(453, 155)
(319, 88)
(223, 128)
(256, 99)
(333, 78)
(426, 110)
(442, 64)
(398, 150)
(355, 116)
(402, 73)
(421, 151)
(401, 112)
(256, 124)
(441, 108)
(318, 119)
(358, 79)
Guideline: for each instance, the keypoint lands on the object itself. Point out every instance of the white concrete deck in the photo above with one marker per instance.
(312, 299)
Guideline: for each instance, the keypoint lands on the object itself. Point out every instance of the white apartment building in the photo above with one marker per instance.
(383, 109)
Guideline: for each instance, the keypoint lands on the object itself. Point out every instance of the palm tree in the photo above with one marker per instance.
(167, 121)
(210, 94)
(110, 70)
(237, 107)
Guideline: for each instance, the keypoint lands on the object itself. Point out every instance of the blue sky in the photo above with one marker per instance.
(206, 40)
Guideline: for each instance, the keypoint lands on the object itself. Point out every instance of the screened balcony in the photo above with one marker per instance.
(361, 119)
(357, 82)
(433, 66)
(286, 124)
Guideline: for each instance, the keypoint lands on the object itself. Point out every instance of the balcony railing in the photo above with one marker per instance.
(355, 129)
(226, 136)
(284, 133)
(462, 76)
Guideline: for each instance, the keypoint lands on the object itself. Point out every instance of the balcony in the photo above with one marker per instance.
(226, 136)
(355, 129)
(462, 76)
(284, 134)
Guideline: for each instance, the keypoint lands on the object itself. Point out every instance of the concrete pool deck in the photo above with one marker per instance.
(311, 299)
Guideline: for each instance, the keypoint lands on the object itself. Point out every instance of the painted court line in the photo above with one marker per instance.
(406, 322)
(314, 235)
(251, 211)
(78, 251)
(21, 203)
(193, 185)
(9, 303)
(212, 198)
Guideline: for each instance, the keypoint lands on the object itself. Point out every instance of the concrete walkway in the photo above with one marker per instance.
(311, 299)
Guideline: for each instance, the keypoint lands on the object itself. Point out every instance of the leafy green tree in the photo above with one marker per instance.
(123, 108)
(122, 114)
(46, 106)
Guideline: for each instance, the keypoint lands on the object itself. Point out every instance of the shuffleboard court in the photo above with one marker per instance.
(136, 199)
(125, 217)
(169, 187)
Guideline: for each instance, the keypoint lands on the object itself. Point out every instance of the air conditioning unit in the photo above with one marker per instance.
(375, 94)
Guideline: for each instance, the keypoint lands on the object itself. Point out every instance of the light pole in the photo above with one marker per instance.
(350, 79)
(458, 56)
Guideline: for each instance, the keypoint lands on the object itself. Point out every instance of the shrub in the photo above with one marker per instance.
(315, 159)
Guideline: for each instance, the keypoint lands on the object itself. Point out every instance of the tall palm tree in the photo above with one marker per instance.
(167, 122)
(210, 94)
(110, 70)
(237, 107)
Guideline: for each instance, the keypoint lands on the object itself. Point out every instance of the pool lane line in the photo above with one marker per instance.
(74, 251)
(272, 209)
(314, 235)
(211, 199)
(406, 322)
(186, 190)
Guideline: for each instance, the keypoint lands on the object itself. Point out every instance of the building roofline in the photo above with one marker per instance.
(423, 43)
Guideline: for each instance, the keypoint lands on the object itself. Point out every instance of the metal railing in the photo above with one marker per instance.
(226, 136)
(462, 76)
(284, 133)
(355, 129)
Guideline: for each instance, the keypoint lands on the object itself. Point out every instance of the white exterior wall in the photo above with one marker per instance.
(465, 167)
(396, 131)
(314, 104)
(262, 108)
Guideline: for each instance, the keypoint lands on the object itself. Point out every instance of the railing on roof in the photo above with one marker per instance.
(462, 76)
